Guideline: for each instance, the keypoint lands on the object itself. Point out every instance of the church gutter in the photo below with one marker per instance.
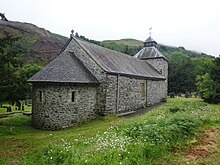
(137, 76)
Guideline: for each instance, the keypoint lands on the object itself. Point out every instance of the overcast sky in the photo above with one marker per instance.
(194, 24)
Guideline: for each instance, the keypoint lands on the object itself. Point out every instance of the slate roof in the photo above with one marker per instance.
(68, 68)
(150, 39)
(118, 63)
(149, 53)
(65, 68)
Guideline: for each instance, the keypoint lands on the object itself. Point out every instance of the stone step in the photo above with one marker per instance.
(126, 113)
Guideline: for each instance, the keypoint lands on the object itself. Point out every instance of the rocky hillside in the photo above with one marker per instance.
(41, 46)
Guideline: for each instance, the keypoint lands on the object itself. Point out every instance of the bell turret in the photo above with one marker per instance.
(154, 57)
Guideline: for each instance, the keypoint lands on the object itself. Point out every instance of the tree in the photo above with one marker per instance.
(9, 51)
(209, 84)
(207, 87)
(27, 71)
(181, 77)
(77, 35)
(126, 50)
(215, 75)
(202, 65)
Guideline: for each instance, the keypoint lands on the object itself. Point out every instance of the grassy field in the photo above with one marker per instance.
(181, 131)
(129, 42)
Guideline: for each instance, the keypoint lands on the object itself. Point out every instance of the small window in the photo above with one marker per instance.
(40, 96)
(142, 89)
(73, 96)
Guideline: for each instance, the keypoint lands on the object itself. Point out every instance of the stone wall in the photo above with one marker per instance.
(94, 68)
(161, 66)
(130, 94)
(111, 94)
(156, 90)
(124, 94)
(56, 110)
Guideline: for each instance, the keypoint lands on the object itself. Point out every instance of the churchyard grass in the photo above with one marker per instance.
(161, 136)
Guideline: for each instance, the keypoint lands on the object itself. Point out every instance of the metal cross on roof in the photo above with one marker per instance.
(72, 33)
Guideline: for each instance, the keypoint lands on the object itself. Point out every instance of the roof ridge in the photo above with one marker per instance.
(65, 45)
(124, 54)
(88, 51)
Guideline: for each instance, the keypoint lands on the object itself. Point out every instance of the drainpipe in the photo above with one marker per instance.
(146, 90)
(117, 94)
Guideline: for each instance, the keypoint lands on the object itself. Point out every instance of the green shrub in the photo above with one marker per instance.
(175, 109)
(168, 131)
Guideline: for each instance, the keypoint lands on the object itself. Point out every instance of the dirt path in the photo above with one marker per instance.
(204, 148)
(143, 110)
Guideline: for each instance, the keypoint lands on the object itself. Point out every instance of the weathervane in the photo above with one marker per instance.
(150, 31)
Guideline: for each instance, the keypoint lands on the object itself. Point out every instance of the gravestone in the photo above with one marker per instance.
(198, 94)
(172, 94)
(9, 109)
(18, 104)
(188, 95)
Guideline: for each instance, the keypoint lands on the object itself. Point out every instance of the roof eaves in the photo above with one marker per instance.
(145, 58)
(137, 76)
(49, 81)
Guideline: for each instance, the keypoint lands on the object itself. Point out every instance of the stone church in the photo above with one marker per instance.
(87, 80)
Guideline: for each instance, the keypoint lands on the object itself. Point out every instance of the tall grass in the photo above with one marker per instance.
(142, 140)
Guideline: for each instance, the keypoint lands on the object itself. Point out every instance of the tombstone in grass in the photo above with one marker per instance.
(198, 94)
(172, 94)
(9, 109)
(188, 94)
(179, 94)
(29, 102)
(18, 104)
